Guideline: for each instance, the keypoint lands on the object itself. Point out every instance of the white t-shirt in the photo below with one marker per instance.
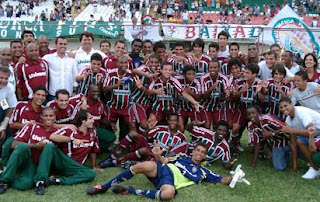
(83, 59)
(294, 69)
(307, 98)
(265, 72)
(224, 54)
(303, 117)
(8, 93)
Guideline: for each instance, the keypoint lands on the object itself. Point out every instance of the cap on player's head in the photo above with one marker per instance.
(81, 116)
(96, 56)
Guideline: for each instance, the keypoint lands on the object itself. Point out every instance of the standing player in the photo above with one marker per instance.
(213, 93)
(201, 61)
(192, 86)
(32, 73)
(223, 53)
(16, 50)
(136, 47)
(213, 51)
(246, 91)
(166, 88)
(179, 59)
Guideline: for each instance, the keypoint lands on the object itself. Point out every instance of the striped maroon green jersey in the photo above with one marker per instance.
(269, 123)
(231, 84)
(215, 150)
(195, 86)
(249, 97)
(274, 96)
(121, 96)
(218, 95)
(166, 138)
(139, 96)
(202, 65)
(171, 88)
(178, 65)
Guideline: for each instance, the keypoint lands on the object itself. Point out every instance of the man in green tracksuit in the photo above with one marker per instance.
(32, 149)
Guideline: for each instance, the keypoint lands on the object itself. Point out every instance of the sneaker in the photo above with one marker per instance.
(3, 188)
(107, 163)
(121, 190)
(311, 174)
(39, 188)
(128, 164)
(51, 181)
(96, 189)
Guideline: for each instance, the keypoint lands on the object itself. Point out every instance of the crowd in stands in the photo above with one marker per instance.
(155, 96)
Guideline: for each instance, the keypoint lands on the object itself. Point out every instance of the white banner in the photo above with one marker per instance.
(209, 31)
(288, 30)
(150, 32)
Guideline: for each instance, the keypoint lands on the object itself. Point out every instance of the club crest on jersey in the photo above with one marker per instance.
(42, 67)
(194, 169)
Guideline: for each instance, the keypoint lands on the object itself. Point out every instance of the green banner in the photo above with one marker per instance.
(53, 29)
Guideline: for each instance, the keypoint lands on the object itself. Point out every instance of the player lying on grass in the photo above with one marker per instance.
(167, 174)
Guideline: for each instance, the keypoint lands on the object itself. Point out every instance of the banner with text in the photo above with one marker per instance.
(209, 31)
(53, 29)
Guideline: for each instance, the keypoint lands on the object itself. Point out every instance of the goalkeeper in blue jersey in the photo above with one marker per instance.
(167, 174)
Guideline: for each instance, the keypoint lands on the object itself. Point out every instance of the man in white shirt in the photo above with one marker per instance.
(5, 61)
(8, 100)
(265, 67)
(301, 121)
(288, 60)
(83, 54)
(223, 53)
(307, 94)
(62, 68)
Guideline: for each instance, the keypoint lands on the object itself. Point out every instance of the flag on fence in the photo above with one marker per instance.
(144, 32)
(288, 30)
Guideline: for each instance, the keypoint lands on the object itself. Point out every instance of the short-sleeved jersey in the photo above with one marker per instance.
(307, 98)
(96, 108)
(193, 171)
(195, 86)
(24, 112)
(170, 88)
(94, 78)
(110, 63)
(216, 150)
(121, 96)
(80, 152)
(31, 75)
(178, 65)
(217, 96)
(274, 96)
(202, 65)
(139, 96)
(166, 139)
(249, 97)
(269, 123)
(62, 115)
(34, 133)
